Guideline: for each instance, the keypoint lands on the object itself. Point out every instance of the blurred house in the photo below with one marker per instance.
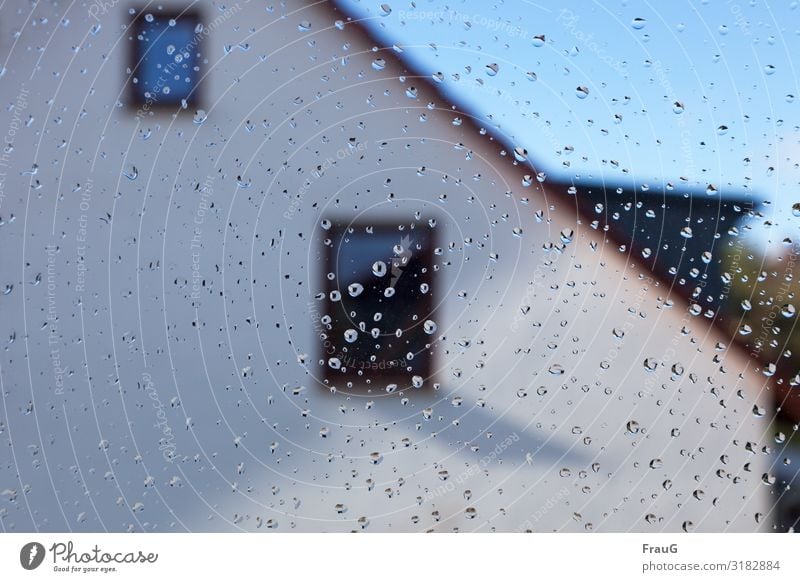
(170, 281)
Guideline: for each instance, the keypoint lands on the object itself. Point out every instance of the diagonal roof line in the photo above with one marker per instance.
(553, 187)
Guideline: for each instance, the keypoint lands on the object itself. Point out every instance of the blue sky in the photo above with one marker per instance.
(727, 63)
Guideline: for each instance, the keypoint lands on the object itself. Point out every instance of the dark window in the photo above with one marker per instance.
(165, 59)
(377, 327)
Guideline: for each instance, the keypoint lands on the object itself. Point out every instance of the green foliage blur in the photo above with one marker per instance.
(760, 307)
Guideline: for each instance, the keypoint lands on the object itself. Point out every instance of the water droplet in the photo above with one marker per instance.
(379, 268)
(132, 174)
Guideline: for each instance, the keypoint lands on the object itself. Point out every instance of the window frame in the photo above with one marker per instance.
(381, 377)
(135, 99)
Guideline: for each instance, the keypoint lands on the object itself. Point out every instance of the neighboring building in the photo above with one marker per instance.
(166, 374)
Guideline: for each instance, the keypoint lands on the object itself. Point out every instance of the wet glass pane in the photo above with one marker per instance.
(357, 266)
